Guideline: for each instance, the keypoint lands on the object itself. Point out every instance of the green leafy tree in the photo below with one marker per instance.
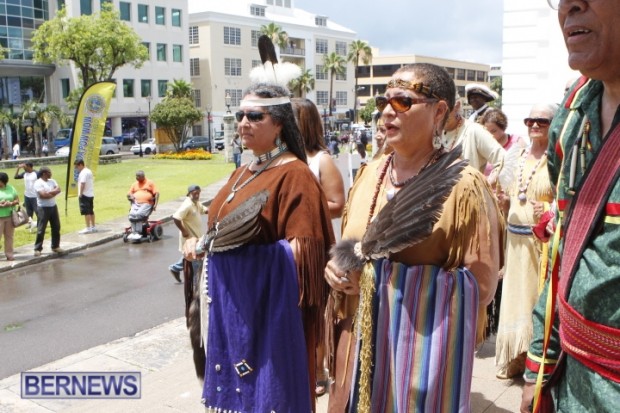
(303, 84)
(96, 44)
(366, 112)
(278, 36)
(40, 117)
(334, 64)
(358, 49)
(5, 119)
(496, 85)
(179, 88)
(176, 116)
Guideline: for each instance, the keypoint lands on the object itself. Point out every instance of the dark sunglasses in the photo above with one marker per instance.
(529, 122)
(253, 116)
(400, 104)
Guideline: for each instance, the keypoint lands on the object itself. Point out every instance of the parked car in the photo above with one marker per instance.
(219, 142)
(148, 147)
(108, 147)
(197, 142)
(63, 138)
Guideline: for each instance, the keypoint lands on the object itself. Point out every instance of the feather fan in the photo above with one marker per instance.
(239, 226)
(408, 218)
(271, 71)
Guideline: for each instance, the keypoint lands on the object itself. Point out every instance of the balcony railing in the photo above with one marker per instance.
(293, 51)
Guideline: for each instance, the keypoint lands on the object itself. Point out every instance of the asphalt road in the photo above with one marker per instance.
(63, 306)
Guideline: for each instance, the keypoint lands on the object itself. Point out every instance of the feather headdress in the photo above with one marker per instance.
(272, 71)
(408, 218)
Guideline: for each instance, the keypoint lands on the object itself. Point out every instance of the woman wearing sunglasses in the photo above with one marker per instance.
(418, 364)
(530, 195)
(264, 298)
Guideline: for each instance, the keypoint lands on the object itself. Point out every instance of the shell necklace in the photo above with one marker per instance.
(524, 185)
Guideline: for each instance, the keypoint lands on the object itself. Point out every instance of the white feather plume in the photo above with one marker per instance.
(510, 165)
(280, 73)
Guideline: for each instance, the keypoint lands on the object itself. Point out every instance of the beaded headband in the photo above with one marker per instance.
(260, 102)
(416, 87)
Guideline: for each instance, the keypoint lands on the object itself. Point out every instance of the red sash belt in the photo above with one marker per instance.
(595, 345)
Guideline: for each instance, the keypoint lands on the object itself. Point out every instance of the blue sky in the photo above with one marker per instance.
(451, 29)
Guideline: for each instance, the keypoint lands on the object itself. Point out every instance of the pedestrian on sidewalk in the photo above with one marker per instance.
(47, 189)
(237, 149)
(16, 151)
(8, 200)
(86, 196)
(30, 195)
(188, 220)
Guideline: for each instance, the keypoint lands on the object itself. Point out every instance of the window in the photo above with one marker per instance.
(481, 76)
(197, 100)
(86, 7)
(321, 74)
(160, 15)
(232, 35)
(450, 71)
(232, 67)
(175, 17)
(460, 74)
(125, 11)
(177, 53)
(193, 35)
(270, 2)
(235, 96)
(341, 48)
(161, 52)
(128, 85)
(61, 4)
(104, 2)
(148, 49)
(461, 90)
(65, 88)
(255, 35)
(257, 10)
(256, 63)
(197, 130)
(321, 46)
(194, 67)
(342, 76)
(162, 88)
(322, 97)
(143, 13)
(145, 88)
(471, 75)
(341, 98)
(320, 21)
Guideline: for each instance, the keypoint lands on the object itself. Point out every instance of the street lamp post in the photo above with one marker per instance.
(149, 98)
(209, 128)
(325, 124)
(228, 101)
(139, 113)
(32, 114)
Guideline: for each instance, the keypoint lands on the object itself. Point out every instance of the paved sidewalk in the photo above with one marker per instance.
(163, 354)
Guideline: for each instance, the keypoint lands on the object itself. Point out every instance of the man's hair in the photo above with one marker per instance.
(78, 162)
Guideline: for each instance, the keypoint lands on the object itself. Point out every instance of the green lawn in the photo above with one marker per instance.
(112, 182)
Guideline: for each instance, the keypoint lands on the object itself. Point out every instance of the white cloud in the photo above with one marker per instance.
(451, 29)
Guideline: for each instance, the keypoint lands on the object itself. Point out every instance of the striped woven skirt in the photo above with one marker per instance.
(424, 331)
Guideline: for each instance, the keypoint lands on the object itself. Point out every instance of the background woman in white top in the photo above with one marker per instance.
(320, 162)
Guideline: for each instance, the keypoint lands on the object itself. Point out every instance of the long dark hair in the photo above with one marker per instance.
(281, 114)
(310, 124)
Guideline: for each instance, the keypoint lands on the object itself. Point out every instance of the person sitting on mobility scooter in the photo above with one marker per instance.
(143, 195)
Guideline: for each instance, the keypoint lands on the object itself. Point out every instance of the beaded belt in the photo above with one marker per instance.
(520, 229)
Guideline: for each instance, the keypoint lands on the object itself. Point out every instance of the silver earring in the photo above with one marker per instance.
(437, 143)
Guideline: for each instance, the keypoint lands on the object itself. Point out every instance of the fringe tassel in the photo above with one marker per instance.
(365, 327)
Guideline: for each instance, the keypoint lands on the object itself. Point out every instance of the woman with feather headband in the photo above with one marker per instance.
(427, 261)
(262, 291)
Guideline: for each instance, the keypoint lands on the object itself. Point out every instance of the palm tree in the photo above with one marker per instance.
(278, 36)
(303, 84)
(179, 88)
(358, 49)
(40, 116)
(334, 64)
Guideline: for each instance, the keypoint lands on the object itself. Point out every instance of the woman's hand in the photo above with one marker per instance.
(539, 209)
(189, 250)
(347, 282)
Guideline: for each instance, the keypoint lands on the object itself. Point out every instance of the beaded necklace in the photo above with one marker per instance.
(524, 185)
(397, 184)
(274, 153)
(234, 188)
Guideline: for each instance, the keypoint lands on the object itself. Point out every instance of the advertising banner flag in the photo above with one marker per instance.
(88, 130)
